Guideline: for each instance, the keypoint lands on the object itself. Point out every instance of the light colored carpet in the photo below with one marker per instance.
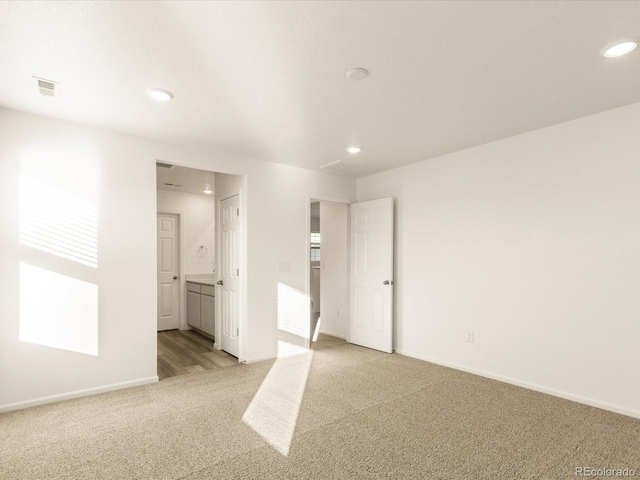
(363, 414)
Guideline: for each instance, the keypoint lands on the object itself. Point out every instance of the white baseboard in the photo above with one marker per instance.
(531, 386)
(256, 360)
(76, 394)
(332, 334)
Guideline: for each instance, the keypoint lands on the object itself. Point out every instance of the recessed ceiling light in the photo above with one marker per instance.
(354, 149)
(357, 74)
(159, 94)
(619, 48)
(207, 191)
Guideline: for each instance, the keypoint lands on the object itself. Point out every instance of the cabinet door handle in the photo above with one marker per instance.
(175, 277)
(219, 282)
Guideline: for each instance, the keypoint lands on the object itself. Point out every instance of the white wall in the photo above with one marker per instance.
(275, 200)
(334, 268)
(228, 186)
(199, 216)
(278, 203)
(116, 173)
(533, 243)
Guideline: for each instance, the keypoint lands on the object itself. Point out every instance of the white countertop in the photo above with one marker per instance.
(201, 279)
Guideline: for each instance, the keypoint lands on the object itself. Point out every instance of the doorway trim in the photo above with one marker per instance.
(345, 201)
(181, 282)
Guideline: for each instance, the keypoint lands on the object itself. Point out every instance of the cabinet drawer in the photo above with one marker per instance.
(208, 290)
(193, 287)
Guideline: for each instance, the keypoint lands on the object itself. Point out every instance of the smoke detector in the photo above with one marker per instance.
(47, 88)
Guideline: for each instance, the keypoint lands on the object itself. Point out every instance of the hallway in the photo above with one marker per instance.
(181, 352)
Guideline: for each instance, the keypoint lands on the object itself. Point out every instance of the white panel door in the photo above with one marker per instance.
(371, 319)
(229, 283)
(168, 273)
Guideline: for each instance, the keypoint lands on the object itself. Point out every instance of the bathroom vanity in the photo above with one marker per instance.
(201, 305)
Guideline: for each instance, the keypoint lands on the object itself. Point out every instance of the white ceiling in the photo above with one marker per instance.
(186, 180)
(267, 79)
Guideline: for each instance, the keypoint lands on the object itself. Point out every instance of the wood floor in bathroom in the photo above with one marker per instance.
(181, 352)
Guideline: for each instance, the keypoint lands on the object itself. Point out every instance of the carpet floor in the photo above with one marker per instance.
(339, 411)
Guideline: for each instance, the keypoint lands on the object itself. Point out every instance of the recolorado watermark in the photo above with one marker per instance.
(604, 472)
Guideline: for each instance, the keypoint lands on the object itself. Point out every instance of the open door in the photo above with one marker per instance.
(229, 291)
(371, 319)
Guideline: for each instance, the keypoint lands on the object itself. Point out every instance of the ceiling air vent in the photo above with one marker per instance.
(163, 164)
(47, 88)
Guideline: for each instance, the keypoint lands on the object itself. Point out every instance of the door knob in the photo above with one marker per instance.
(219, 282)
(387, 282)
(175, 277)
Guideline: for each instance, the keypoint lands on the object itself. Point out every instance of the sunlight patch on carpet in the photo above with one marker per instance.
(273, 412)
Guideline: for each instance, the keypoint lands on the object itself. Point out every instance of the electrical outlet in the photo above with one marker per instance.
(470, 336)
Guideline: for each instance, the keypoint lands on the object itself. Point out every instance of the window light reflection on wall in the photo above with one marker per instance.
(293, 311)
(58, 223)
(58, 311)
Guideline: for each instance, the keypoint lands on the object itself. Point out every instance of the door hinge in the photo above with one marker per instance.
(237, 212)
(237, 272)
(237, 332)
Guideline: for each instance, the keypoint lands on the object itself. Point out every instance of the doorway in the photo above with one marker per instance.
(351, 271)
(190, 286)
(328, 269)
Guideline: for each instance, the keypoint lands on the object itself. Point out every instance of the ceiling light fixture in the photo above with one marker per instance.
(357, 74)
(619, 48)
(159, 94)
(207, 191)
(354, 149)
